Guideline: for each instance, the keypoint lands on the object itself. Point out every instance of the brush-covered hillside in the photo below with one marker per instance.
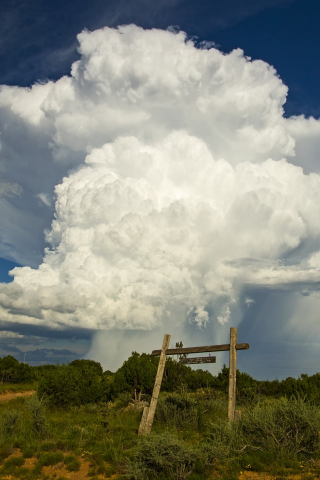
(82, 422)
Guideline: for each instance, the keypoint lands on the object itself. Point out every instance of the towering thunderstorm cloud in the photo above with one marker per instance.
(187, 185)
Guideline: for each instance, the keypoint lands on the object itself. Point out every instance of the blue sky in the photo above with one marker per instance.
(38, 39)
(38, 44)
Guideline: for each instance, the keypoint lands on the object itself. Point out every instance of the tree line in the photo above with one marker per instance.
(84, 381)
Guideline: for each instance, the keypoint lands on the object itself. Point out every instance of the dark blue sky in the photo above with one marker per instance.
(38, 38)
(5, 266)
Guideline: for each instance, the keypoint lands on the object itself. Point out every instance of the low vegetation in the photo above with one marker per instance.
(83, 421)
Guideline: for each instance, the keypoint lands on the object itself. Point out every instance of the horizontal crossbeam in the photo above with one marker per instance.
(198, 360)
(210, 348)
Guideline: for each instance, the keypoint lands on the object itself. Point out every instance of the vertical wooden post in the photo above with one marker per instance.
(237, 415)
(232, 373)
(146, 429)
(143, 421)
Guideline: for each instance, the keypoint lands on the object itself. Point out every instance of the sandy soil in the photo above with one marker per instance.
(59, 470)
(5, 397)
(248, 475)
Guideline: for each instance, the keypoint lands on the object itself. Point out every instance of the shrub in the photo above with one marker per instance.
(13, 467)
(14, 461)
(29, 451)
(5, 453)
(162, 454)
(282, 427)
(87, 367)
(178, 411)
(13, 371)
(47, 459)
(36, 408)
(223, 440)
(48, 447)
(67, 385)
(72, 463)
(137, 373)
(76, 434)
(10, 420)
(182, 402)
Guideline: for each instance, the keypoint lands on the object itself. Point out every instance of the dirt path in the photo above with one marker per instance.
(5, 397)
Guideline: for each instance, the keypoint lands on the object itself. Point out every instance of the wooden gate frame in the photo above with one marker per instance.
(233, 346)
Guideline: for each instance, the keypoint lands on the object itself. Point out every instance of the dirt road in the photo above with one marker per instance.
(5, 397)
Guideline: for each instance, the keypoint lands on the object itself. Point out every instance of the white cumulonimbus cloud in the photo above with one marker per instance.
(182, 189)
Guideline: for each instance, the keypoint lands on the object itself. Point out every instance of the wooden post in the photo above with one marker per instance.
(143, 421)
(232, 373)
(237, 415)
(156, 389)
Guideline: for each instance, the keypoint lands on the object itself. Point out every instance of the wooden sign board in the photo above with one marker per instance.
(197, 360)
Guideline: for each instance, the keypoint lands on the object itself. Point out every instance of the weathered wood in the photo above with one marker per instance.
(157, 386)
(143, 421)
(232, 373)
(209, 348)
(237, 415)
(197, 360)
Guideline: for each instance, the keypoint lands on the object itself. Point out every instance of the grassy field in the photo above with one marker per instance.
(16, 387)
(191, 438)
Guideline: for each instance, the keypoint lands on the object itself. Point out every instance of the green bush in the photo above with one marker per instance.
(72, 463)
(12, 464)
(48, 447)
(10, 421)
(177, 375)
(178, 411)
(13, 467)
(11, 371)
(139, 372)
(36, 408)
(284, 428)
(67, 385)
(182, 402)
(223, 440)
(87, 367)
(29, 451)
(49, 458)
(163, 454)
(5, 453)
(76, 434)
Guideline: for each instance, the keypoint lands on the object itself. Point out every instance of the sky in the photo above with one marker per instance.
(159, 173)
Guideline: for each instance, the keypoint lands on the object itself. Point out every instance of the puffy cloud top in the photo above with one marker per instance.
(180, 194)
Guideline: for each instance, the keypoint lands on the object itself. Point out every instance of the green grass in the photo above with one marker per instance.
(72, 463)
(49, 458)
(13, 466)
(16, 387)
(193, 430)
(5, 452)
